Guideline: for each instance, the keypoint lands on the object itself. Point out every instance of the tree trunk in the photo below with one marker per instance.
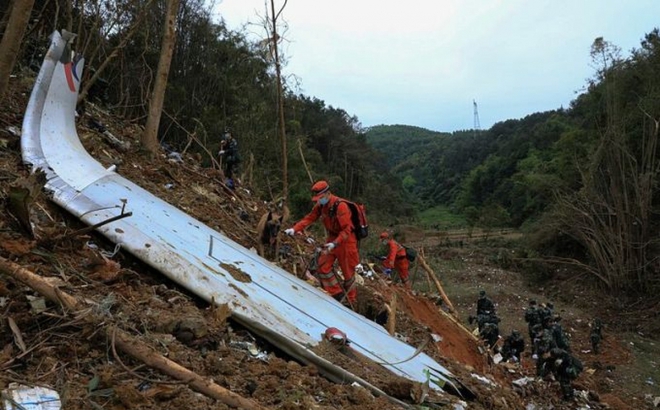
(150, 136)
(5, 17)
(302, 157)
(391, 318)
(280, 102)
(11, 40)
(438, 285)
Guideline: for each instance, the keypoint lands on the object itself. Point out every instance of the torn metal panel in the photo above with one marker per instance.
(204, 261)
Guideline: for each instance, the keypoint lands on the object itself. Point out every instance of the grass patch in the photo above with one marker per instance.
(442, 268)
(444, 265)
(441, 217)
(643, 375)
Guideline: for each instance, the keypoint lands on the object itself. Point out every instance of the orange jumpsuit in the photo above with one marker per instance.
(396, 259)
(339, 228)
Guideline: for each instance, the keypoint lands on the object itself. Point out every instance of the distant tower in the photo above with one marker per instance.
(477, 126)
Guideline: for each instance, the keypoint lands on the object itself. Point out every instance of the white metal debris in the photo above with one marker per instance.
(20, 397)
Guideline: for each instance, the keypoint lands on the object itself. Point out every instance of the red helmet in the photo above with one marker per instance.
(336, 336)
(384, 235)
(318, 189)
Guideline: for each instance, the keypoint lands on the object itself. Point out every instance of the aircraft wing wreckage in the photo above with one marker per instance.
(266, 299)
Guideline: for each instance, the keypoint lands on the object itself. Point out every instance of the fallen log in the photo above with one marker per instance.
(391, 317)
(454, 315)
(458, 323)
(208, 387)
(438, 285)
(127, 343)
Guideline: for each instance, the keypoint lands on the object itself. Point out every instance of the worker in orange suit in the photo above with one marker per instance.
(341, 243)
(396, 258)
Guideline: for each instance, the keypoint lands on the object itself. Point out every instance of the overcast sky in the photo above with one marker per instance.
(423, 62)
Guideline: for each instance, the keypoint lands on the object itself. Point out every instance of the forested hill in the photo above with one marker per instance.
(398, 142)
(429, 163)
(467, 169)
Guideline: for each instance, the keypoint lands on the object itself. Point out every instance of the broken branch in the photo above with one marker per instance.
(90, 228)
(438, 285)
(391, 317)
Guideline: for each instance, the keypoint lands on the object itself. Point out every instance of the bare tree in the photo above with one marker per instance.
(280, 95)
(150, 136)
(610, 214)
(115, 52)
(12, 38)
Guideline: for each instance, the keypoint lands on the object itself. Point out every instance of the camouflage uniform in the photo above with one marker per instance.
(484, 304)
(596, 335)
(565, 368)
(546, 312)
(543, 343)
(513, 346)
(487, 325)
(485, 318)
(558, 334)
(230, 157)
(490, 332)
(532, 317)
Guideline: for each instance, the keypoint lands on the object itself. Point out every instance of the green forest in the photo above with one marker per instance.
(580, 182)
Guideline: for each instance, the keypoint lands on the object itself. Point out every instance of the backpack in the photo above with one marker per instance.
(411, 253)
(358, 217)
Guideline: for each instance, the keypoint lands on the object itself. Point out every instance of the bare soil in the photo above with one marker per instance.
(42, 344)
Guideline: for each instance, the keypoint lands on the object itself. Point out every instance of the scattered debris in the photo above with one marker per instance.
(484, 380)
(21, 397)
(523, 381)
(14, 130)
(22, 194)
(251, 347)
(37, 303)
(497, 358)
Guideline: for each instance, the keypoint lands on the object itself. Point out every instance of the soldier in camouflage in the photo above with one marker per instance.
(565, 368)
(532, 317)
(484, 304)
(596, 335)
(483, 318)
(546, 313)
(543, 343)
(490, 333)
(513, 346)
(560, 338)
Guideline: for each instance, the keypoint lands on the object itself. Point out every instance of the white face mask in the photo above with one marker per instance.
(384, 241)
(324, 200)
